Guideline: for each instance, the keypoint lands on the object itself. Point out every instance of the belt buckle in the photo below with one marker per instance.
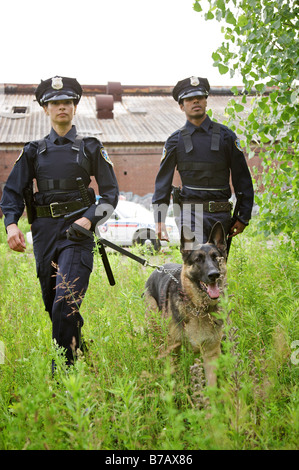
(210, 207)
(53, 211)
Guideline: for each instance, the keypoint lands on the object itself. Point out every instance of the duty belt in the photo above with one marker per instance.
(58, 209)
(211, 206)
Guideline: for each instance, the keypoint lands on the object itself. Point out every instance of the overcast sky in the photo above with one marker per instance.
(135, 42)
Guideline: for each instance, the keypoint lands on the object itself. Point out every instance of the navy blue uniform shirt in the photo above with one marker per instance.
(59, 162)
(230, 157)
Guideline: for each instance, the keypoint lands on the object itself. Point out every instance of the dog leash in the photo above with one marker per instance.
(143, 261)
(102, 242)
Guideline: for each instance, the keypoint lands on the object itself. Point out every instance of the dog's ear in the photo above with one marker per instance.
(188, 240)
(217, 237)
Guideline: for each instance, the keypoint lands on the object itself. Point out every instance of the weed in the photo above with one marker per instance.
(123, 393)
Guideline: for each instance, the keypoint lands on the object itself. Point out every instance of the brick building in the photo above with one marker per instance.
(133, 123)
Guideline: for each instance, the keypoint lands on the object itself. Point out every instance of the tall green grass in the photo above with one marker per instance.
(123, 393)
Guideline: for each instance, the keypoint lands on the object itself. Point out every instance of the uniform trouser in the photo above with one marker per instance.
(63, 283)
(201, 222)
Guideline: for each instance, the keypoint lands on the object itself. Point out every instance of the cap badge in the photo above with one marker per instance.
(57, 83)
(194, 81)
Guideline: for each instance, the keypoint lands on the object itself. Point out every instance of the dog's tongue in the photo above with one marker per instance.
(213, 291)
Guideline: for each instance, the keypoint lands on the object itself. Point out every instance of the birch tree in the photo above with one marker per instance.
(260, 43)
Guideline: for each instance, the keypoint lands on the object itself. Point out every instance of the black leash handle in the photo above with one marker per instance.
(124, 252)
(106, 263)
(82, 230)
(102, 252)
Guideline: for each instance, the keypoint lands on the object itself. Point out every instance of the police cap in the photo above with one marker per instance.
(58, 88)
(193, 86)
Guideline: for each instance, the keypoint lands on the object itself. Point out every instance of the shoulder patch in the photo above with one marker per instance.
(163, 154)
(238, 145)
(19, 156)
(105, 155)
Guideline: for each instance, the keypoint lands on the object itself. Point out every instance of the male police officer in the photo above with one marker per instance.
(56, 162)
(206, 154)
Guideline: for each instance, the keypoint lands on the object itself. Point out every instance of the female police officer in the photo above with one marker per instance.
(56, 162)
(207, 155)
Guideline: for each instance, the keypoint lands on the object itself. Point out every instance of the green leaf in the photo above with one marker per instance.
(234, 90)
(264, 138)
(239, 107)
(197, 7)
(216, 57)
(221, 5)
(242, 21)
(260, 87)
(230, 18)
(209, 15)
(223, 69)
(282, 100)
(273, 95)
(254, 75)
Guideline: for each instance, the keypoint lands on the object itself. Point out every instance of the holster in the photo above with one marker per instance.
(176, 198)
(29, 203)
(91, 195)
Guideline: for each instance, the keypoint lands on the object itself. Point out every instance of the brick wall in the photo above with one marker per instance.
(135, 167)
(7, 160)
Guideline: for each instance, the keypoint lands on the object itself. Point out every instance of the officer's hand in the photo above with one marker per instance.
(84, 222)
(15, 238)
(161, 231)
(237, 228)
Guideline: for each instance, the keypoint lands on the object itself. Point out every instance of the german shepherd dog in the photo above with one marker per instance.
(188, 295)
